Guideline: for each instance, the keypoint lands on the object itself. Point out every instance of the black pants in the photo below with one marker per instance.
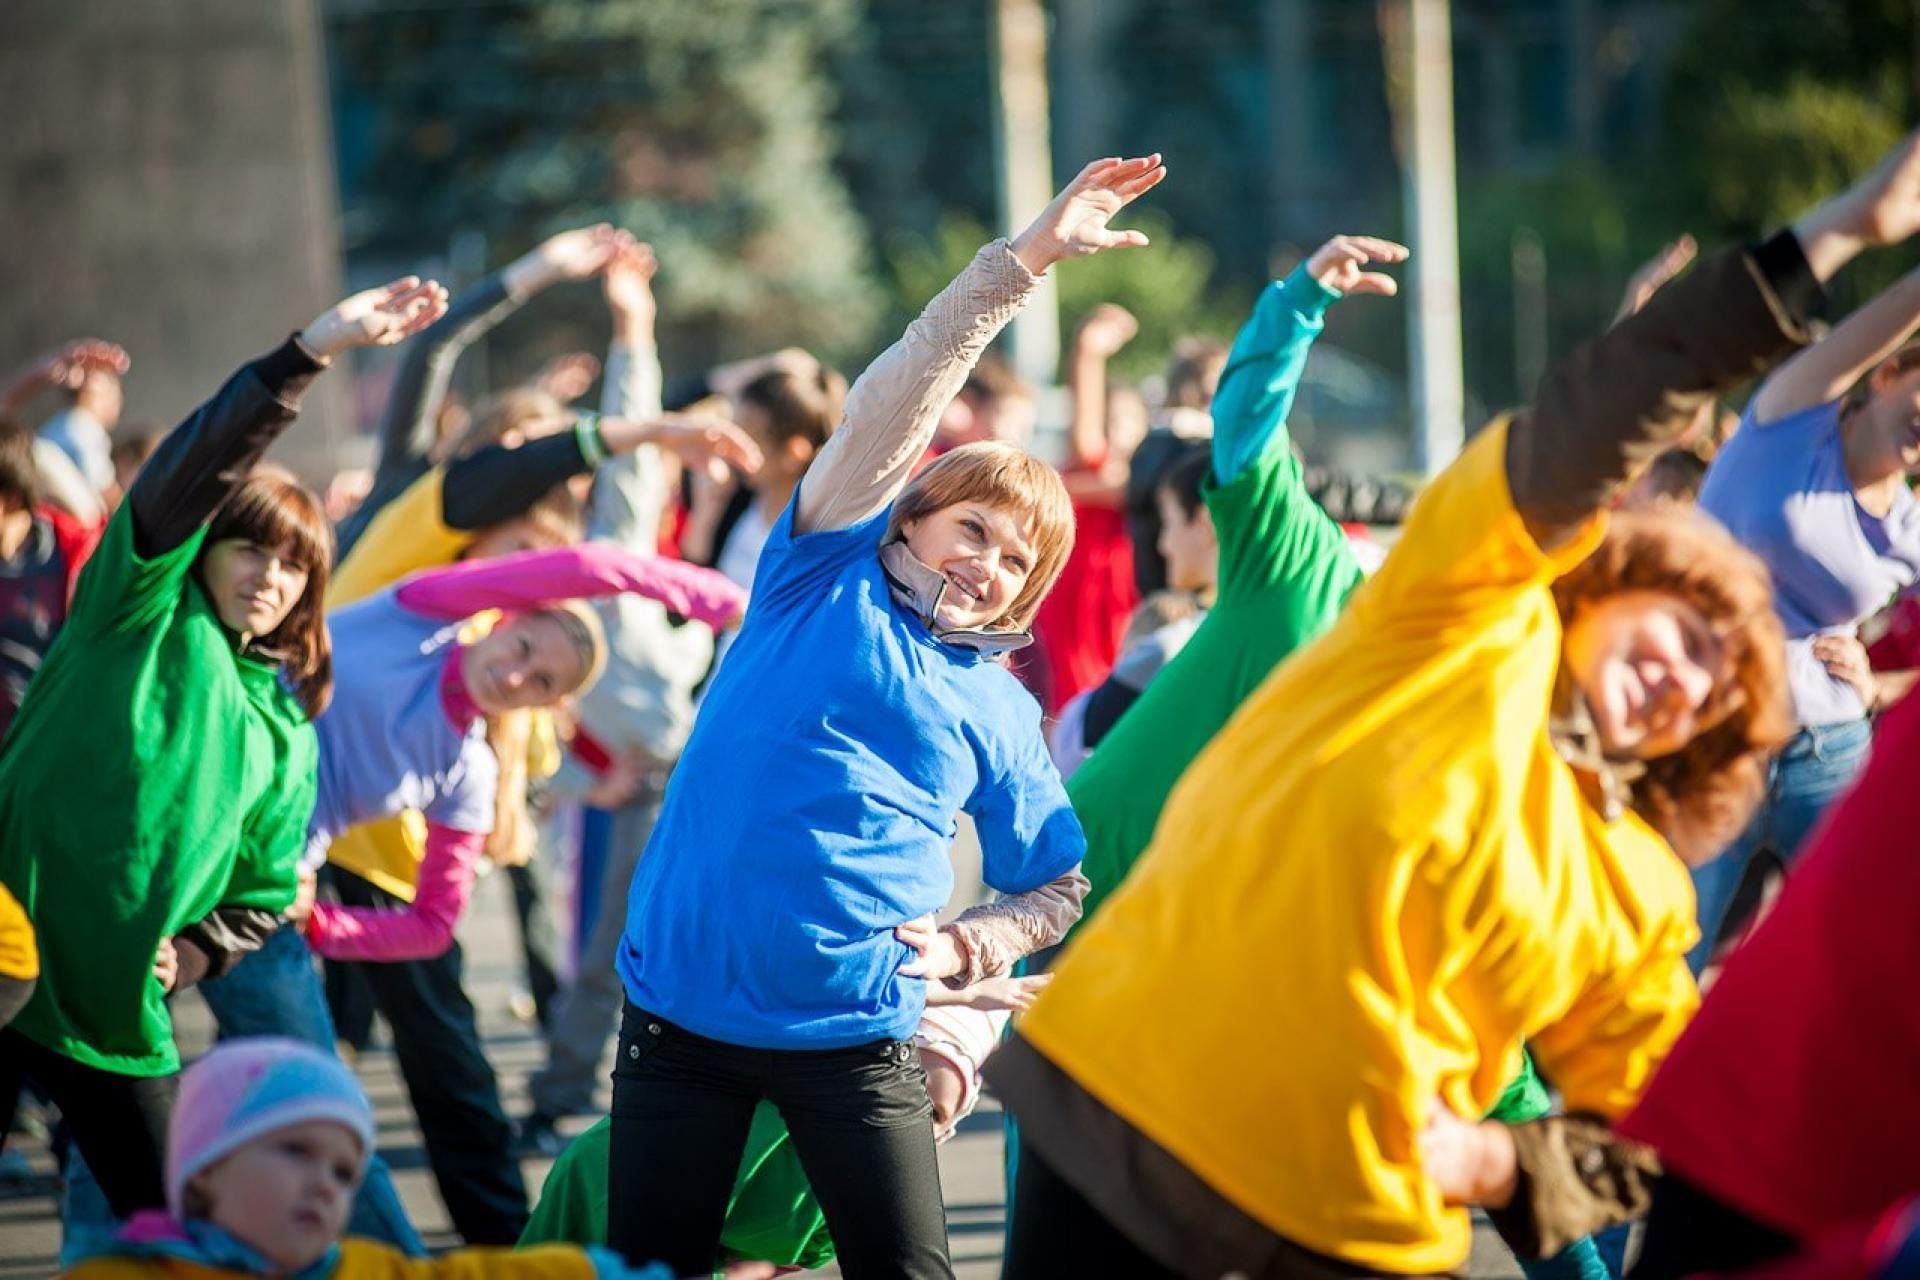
(1056, 1232)
(861, 1123)
(1689, 1233)
(455, 1096)
(118, 1122)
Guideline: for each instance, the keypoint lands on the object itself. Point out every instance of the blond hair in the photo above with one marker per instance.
(999, 475)
(581, 625)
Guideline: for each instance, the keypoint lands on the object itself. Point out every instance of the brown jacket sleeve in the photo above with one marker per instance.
(1576, 1177)
(1603, 412)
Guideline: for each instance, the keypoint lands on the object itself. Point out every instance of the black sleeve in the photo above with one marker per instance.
(1105, 705)
(229, 934)
(501, 483)
(682, 392)
(204, 459)
(1608, 408)
(14, 994)
(406, 427)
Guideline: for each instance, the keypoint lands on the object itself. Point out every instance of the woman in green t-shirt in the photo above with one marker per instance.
(156, 783)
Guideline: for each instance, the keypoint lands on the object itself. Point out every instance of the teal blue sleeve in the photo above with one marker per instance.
(608, 1265)
(1263, 371)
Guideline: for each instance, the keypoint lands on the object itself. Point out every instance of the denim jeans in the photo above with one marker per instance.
(1809, 774)
(862, 1126)
(276, 991)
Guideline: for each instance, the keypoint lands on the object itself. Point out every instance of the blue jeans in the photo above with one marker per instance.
(1809, 773)
(276, 991)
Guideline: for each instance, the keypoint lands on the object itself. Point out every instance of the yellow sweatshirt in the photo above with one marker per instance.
(1369, 891)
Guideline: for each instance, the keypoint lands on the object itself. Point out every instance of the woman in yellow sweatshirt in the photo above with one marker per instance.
(1445, 830)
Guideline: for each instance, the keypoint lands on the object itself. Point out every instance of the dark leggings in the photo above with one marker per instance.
(118, 1122)
(1689, 1232)
(861, 1123)
(1057, 1232)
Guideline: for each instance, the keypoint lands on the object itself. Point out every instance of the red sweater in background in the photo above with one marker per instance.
(1794, 1095)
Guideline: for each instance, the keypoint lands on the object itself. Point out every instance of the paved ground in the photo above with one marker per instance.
(969, 1165)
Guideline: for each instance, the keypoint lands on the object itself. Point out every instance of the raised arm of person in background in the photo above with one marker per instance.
(533, 580)
(630, 496)
(1263, 370)
(1092, 473)
(204, 459)
(1826, 370)
(891, 412)
(1608, 408)
(66, 366)
(406, 432)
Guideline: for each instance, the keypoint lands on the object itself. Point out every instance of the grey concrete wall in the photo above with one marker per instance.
(166, 182)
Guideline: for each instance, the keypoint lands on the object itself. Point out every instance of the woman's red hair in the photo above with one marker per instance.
(1701, 796)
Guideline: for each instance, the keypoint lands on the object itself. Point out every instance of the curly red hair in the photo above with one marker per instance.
(1701, 796)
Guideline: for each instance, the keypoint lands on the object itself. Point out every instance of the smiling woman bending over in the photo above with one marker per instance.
(858, 713)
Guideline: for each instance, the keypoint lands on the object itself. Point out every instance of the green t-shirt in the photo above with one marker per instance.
(1285, 573)
(771, 1217)
(151, 775)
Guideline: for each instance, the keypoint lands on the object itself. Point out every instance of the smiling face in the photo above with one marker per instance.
(1648, 663)
(985, 553)
(1892, 415)
(528, 661)
(288, 1193)
(253, 587)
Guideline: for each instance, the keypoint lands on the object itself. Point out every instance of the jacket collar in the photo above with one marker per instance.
(1607, 783)
(917, 588)
(155, 1234)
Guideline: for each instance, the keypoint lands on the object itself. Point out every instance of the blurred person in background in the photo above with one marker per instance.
(1183, 420)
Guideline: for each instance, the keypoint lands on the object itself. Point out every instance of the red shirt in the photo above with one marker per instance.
(1794, 1096)
(1077, 635)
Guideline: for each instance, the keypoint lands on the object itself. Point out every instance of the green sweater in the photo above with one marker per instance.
(153, 774)
(1285, 573)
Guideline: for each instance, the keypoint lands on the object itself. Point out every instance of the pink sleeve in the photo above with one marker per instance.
(536, 579)
(421, 931)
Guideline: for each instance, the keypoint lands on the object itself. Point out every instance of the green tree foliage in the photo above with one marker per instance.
(1167, 287)
(704, 128)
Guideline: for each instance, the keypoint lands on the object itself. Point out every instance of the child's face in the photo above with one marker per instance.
(287, 1194)
(1187, 543)
(983, 552)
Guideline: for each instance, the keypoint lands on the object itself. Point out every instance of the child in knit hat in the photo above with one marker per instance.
(267, 1143)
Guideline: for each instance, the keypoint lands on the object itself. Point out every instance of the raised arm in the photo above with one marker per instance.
(1263, 370)
(66, 367)
(892, 410)
(406, 433)
(208, 456)
(1099, 338)
(1824, 371)
(630, 495)
(536, 579)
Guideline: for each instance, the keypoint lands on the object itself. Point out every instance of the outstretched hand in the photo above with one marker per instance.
(628, 282)
(1654, 273)
(1075, 224)
(584, 252)
(376, 317)
(1341, 265)
(1882, 208)
(69, 366)
(1107, 328)
(704, 443)
(1016, 995)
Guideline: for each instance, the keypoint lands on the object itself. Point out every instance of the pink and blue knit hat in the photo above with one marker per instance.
(246, 1089)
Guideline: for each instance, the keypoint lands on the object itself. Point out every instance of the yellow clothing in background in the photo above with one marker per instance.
(409, 535)
(1369, 891)
(19, 957)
